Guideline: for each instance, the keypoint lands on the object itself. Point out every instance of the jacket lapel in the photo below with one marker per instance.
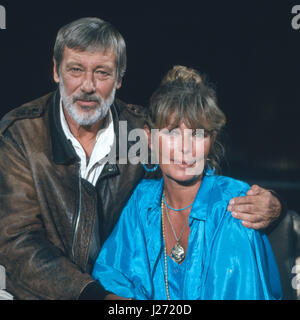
(62, 149)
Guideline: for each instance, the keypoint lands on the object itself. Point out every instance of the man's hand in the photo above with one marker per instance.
(257, 210)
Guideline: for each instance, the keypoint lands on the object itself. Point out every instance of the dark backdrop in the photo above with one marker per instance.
(248, 48)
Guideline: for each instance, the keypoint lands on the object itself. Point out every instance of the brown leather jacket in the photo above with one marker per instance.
(47, 212)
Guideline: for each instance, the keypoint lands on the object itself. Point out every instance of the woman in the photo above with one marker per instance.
(175, 238)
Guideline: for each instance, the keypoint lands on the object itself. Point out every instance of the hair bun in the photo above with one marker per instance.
(182, 73)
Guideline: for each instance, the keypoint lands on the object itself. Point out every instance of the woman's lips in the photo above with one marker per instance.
(184, 164)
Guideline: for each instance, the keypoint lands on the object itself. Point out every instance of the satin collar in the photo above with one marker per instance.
(202, 200)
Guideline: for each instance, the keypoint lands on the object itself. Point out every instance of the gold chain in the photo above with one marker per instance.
(165, 250)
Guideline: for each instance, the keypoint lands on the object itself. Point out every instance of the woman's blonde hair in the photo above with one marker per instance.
(185, 95)
(183, 73)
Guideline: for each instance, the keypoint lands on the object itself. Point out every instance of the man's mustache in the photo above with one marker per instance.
(86, 97)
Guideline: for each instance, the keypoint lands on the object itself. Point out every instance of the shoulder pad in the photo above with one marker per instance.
(30, 110)
(25, 111)
(33, 109)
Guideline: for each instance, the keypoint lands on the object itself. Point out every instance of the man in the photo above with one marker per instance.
(59, 196)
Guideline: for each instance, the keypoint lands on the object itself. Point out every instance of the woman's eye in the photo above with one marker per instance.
(174, 132)
(171, 132)
(199, 133)
(207, 133)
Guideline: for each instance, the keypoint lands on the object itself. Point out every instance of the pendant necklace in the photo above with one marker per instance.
(177, 252)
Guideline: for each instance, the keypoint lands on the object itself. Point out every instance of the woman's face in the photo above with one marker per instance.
(181, 151)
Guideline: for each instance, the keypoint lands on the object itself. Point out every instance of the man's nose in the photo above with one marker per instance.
(88, 83)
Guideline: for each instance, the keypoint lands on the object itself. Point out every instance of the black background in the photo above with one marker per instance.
(248, 48)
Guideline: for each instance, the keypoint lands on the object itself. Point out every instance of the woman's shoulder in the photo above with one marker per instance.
(146, 191)
(148, 185)
(231, 187)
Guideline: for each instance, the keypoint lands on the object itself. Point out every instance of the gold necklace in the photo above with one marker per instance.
(165, 250)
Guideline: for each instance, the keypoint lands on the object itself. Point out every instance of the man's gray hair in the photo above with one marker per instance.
(90, 34)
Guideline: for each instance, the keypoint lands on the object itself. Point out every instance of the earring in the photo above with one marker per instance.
(209, 171)
(150, 170)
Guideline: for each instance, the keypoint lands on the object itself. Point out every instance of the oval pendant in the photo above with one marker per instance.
(177, 253)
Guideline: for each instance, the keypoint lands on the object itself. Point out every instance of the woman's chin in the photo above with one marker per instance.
(185, 180)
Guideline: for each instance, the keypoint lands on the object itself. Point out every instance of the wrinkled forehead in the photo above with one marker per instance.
(104, 59)
(96, 52)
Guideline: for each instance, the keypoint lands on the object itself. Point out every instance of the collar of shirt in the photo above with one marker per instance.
(201, 202)
(104, 142)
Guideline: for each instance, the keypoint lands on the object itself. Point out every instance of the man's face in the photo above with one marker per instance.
(87, 81)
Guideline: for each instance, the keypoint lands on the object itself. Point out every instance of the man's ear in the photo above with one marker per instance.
(148, 134)
(55, 73)
(119, 84)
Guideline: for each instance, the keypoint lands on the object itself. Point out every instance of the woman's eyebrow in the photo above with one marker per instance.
(172, 126)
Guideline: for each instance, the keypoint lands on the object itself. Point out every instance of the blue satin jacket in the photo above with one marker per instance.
(224, 259)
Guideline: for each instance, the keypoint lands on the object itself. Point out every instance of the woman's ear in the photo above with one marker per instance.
(213, 136)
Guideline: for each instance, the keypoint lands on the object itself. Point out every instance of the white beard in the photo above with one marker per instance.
(86, 117)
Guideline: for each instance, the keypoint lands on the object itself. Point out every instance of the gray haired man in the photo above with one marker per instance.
(59, 197)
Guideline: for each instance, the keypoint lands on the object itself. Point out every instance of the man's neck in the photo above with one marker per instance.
(86, 135)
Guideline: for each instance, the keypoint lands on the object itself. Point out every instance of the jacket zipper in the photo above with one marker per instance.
(79, 211)
(79, 201)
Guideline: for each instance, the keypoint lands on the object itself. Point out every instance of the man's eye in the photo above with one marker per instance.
(76, 70)
(102, 73)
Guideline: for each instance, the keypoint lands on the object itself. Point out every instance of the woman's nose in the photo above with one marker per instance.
(187, 141)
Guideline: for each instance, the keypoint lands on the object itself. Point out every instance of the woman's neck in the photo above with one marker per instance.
(179, 195)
